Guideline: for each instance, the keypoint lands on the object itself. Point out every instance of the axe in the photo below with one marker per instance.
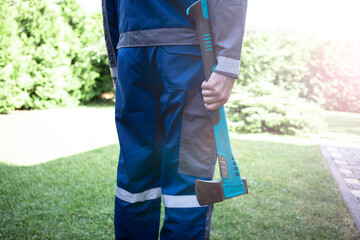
(231, 183)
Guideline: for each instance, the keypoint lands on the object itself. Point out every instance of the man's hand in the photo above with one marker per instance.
(217, 90)
(114, 82)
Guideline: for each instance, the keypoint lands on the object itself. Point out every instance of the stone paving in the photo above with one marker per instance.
(344, 163)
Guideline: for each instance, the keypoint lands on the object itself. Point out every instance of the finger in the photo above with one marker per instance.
(206, 85)
(212, 107)
(207, 93)
(210, 100)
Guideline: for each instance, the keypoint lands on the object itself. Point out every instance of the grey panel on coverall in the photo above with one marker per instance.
(197, 155)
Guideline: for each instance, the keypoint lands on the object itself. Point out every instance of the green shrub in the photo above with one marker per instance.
(325, 72)
(90, 66)
(284, 77)
(268, 108)
(13, 64)
(335, 67)
(50, 54)
(277, 58)
(267, 96)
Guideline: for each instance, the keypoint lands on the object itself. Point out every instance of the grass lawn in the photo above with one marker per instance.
(342, 126)
(291, 196)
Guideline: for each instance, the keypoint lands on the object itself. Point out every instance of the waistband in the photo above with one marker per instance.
(158, 37)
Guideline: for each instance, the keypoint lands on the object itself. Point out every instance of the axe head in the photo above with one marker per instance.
(210, 192)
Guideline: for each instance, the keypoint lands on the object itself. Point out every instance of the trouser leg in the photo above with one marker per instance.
(137, 201)
(189, 148)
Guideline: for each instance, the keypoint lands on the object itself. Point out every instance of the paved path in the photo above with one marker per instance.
(344, 162)
(33, 137)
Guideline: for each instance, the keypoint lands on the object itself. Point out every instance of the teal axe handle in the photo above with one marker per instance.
(232, 183)
(198, 11)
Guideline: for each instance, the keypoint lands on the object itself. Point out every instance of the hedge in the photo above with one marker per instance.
(285, 78)
(325, 72)
(51, 53)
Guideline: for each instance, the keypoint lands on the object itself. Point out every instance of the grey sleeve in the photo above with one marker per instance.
(227, 22)
(111, 33)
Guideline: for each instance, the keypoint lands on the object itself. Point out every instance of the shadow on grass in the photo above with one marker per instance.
(291, 196)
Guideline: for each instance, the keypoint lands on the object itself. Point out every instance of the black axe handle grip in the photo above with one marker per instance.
(201, 19)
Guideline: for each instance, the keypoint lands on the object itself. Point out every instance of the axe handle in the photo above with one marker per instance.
(198, 11)
(229, 171)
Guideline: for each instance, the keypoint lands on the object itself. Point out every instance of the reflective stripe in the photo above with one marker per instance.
(150, 194)
(188, 201)
(158, 37)
(113, 72)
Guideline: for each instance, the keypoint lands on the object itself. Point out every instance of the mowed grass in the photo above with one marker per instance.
(342, 126)
(291, 196)
(70, 198)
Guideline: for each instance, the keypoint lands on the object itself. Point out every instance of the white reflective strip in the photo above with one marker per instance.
(113, 72)
(188, 201)
(150, 194)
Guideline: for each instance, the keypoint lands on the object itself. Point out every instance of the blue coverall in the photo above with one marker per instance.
(165, 132)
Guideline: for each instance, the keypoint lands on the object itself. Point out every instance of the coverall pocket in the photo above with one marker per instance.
(184, 61)
(197, 144)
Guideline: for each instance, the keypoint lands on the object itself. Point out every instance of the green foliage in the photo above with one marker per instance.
(51, 54)
(266, 97)
(335, 67)
(285, 76)
(279, 59)
(12, 62)
(89, 55)
(268, 108)
(322, 71)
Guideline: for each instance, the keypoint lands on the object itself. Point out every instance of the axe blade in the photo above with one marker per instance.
(209, 192)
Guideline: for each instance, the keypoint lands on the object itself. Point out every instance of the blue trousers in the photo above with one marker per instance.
(166, 143)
